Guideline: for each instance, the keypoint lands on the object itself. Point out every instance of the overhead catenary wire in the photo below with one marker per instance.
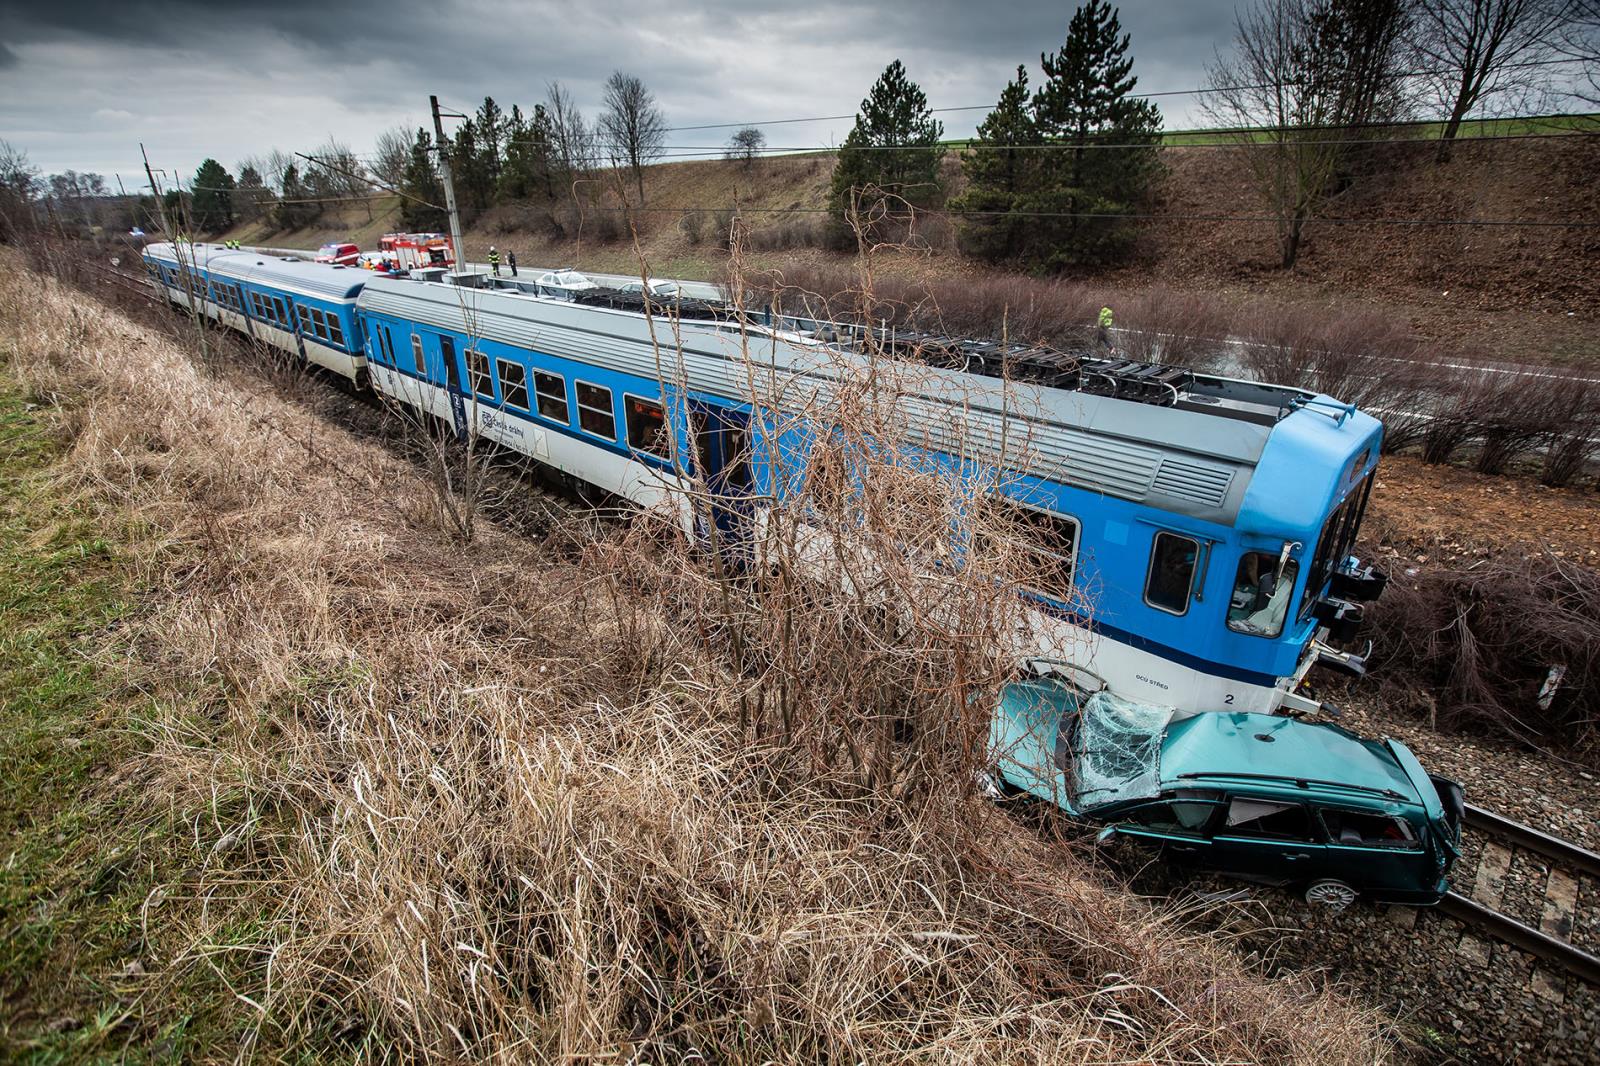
(691, 151)
(1203, 91)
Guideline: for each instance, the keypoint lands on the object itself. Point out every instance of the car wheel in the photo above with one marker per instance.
(1333, 895)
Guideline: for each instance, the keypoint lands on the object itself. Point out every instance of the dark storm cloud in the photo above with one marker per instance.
(88, 79)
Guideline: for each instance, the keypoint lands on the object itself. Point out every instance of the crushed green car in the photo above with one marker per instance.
(1306, 805)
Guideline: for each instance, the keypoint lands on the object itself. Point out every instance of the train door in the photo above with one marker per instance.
(291, 322)
(722, 459)
(452, 378)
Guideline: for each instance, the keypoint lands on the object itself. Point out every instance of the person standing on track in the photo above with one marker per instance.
(1103, 332)
(494, 260)
(511, 261)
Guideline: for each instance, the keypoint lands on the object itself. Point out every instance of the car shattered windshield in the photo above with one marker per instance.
(1117, 751)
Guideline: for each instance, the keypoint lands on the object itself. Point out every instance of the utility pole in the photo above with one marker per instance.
(442, 146)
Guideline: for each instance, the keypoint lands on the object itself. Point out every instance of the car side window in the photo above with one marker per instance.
(1188, 815)
(1367, 829)
(1268, 819)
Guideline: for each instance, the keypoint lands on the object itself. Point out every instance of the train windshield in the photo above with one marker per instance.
(1260, 601)
(1337, 540)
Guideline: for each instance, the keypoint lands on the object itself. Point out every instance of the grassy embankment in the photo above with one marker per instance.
(336, 784)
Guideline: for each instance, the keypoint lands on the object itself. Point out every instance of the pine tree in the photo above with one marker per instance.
(294, 207)
(491, 124)
(213, 198)
(1001, 170)
(474, 186)
(422, 187)
(251, 195)
(526, 172)
(1086, 102)
(893, 150)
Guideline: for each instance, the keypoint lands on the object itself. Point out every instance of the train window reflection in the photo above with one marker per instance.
(1260, 600)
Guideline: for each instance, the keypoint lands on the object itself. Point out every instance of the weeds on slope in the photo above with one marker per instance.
(466, 800)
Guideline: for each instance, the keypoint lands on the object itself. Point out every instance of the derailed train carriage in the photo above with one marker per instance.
(1214, 519)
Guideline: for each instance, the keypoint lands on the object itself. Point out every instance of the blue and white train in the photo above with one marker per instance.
(1212, 519)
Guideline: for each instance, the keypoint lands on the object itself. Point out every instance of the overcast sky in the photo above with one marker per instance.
(83, 83)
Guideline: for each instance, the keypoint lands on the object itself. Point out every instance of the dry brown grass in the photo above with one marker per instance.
(452, 812)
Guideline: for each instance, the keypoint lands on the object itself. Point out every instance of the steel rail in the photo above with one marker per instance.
(1531, 839)
(1576, 961)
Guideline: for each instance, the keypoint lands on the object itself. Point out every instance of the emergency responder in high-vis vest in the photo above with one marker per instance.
(494, 260)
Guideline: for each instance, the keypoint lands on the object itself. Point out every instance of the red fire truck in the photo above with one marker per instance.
(413, 250)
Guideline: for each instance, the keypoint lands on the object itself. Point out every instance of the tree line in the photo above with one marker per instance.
(1058, 176)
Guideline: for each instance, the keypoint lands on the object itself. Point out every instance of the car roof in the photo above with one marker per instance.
(1270, 753)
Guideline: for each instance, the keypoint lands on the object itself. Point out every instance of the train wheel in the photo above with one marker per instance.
(1328, 893)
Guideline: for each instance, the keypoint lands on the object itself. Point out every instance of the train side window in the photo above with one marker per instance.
(417, 357)
(478, 373)
(513, 384)
(283, 312)
(1171, 577)
(335, 329)
(320, 322)
(305, 319)
(595, 413)
(552, 393)
(1051, 541)
(647, 426)
(1260, 602)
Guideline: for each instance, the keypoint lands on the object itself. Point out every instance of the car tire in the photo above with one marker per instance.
(1330, 894)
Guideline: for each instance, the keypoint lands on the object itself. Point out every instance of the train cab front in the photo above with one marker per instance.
(1309, 495)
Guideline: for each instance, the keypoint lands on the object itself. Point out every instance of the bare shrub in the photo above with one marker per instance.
(1364, 358)
(1575, 436)
(1163, 325)
(692, 225)
(1483, 643)
(1515, 412)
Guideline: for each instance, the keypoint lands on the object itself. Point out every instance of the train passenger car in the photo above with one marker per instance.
(1209, 521)
(306, 309)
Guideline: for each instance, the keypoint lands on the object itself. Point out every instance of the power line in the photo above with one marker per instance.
(1143, 96)
(1138, 216)
(701, 151)
(1159, 140)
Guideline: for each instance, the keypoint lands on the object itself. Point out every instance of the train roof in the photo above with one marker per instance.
(1197, 459)
(320, 280)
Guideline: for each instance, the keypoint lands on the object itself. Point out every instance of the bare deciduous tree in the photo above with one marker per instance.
(746, 145)
(632, 126)
(571, 145)
(1305, 78)
(392, 154)
(1579, 39)
(1473, 53)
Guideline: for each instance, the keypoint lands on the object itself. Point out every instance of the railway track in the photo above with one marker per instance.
(1550, 939)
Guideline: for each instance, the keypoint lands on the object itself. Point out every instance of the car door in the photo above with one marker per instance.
(1174, 826)
(1375, 851)
(1262, 838)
